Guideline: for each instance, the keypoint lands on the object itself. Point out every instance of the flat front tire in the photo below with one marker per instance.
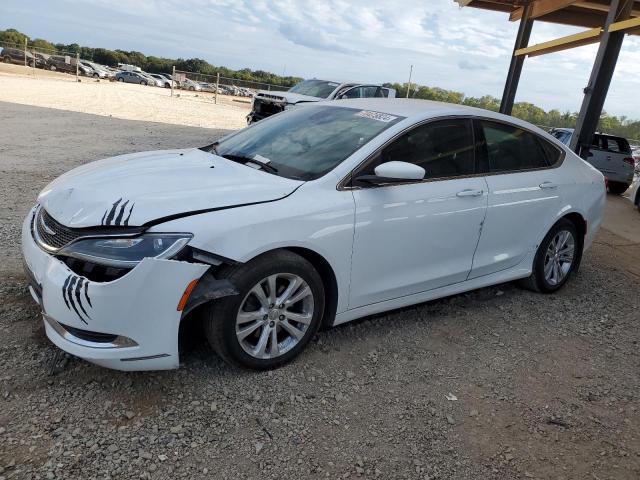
(556, 258)
(277, 311)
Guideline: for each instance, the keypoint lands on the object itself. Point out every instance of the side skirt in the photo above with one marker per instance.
(522, 270)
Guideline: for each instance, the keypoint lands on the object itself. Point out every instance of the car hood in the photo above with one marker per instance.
(289, 97)
(136, 189)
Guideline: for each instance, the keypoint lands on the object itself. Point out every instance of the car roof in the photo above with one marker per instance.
(421, 109)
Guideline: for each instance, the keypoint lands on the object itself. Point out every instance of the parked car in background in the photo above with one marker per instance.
(188, 84)
(61, 64)
(268, 102)
(132, 77)
(208, 87)
(164, 81)
(634, 193)
(609, 154)
(41, 59)
(636, 158)
(312, 218)
(154, 82)
(17, 56)
(176, 83)
(97, 71)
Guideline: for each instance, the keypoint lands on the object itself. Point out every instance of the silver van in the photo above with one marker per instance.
(609, 154)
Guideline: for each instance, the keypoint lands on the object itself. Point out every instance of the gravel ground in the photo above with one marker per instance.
(499, 383)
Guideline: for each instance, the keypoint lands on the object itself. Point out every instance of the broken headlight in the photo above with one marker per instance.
(127, 252)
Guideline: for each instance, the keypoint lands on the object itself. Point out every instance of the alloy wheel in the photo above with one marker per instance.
(274, 316)
(559, 257)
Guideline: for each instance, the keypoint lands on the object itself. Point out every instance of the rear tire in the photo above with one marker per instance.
(618, 188)
(228, 319)
(556, 258)
(7, 59)
(52, 68)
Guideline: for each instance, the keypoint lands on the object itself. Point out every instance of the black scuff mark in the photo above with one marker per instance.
(79, 300)
(72, 287)
(121, 213)
(112, 212)
(86, 293)
(64, 291)
(126, 220)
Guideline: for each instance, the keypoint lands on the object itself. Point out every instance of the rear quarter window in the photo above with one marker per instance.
(616, 145)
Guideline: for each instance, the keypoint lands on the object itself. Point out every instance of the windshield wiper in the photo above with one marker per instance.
(245, 160)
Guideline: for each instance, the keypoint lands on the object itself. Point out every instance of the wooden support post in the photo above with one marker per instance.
(217, 86)
(173, 75)
(517, 62)
(596, 91)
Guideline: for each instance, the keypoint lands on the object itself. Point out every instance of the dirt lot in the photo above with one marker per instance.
(43, 88)
(546, 386)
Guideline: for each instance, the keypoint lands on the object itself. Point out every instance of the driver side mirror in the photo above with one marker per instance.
(393, 172)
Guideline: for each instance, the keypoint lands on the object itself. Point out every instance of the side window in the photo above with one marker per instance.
(616, 145)
(371, 92)
(510, 149)
(443, 148)
(353, 93)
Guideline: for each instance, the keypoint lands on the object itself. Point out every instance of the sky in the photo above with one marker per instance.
(466, 50)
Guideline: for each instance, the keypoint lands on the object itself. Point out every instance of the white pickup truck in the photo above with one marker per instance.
(267, 103)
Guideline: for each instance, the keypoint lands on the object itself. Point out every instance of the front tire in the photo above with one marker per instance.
(277, 311)
(618, 188)
(556, 258)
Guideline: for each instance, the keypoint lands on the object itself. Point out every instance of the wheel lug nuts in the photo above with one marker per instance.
(281, 306)
(265, 317)
(281, 317)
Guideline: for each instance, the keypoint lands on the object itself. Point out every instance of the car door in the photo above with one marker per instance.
(414, 237)
(524, 193)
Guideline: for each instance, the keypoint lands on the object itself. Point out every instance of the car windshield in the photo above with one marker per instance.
(562, 135)
(314, 88)
(306, 142)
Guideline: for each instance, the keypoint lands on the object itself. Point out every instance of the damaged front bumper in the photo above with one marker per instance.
(131, 323)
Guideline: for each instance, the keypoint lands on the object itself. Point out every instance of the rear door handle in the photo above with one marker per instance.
(470, 193)
(548, 185)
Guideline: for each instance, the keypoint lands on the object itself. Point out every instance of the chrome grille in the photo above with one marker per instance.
(50, 234)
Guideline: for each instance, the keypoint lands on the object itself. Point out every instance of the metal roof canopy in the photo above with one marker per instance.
(608, 21)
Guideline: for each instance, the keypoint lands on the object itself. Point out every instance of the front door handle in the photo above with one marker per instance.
(470, 193)
(548, 185)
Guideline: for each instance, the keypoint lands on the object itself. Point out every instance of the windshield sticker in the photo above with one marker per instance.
(260, 158)
(380, 117)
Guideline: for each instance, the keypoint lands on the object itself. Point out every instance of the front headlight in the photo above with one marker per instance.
(127, 252)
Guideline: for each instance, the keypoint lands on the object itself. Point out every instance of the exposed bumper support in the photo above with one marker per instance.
(208, 288)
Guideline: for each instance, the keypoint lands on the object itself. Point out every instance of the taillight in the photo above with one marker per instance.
(630, 161)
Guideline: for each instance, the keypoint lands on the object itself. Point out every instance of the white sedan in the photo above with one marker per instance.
(315, 217)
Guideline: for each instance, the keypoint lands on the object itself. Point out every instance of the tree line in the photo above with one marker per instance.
(617, 125)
